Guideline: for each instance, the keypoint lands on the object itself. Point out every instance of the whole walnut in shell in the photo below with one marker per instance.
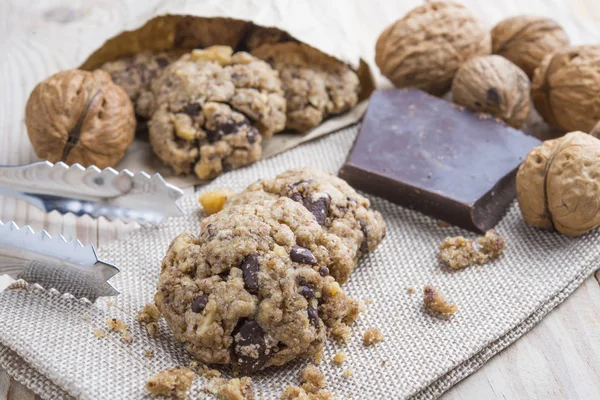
(425, 48)
(493, 85)
(558, 184)
(565, 88)
(526, 40)
(80, 117)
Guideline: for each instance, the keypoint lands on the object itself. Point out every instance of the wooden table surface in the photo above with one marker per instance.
(558, 359)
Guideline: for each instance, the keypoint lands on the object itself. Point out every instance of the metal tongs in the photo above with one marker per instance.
(70, 267)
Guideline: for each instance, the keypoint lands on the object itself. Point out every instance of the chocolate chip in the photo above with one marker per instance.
(301, 281)
(162, 62)
(323, 271)
(364, 246)
(319, 208)
(252, 135)
(307, 292)
(226, 166)
(313, 316)
(302, 255)
(199, 303)
(213, 136)
(249, 347)
(193, 109)
(493, 96)
(228, 127)
(297, 197)
(250, 267)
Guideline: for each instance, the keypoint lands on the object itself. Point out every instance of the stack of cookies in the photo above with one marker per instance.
(207, 111)
(260, 285)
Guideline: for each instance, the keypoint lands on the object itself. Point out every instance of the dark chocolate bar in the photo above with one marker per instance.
(425, 153)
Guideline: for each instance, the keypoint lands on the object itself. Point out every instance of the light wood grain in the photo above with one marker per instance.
(560, 358)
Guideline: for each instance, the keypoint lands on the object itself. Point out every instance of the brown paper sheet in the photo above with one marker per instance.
(196, 24)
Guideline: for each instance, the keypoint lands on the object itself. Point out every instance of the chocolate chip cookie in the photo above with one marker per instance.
(136, 73)
(334, 204)
(211, 108)
(254, 288)
(316, 85)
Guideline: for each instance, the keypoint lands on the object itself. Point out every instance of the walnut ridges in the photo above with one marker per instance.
(558, 184)
(494, 85)
(526, 40)
(80, 117)
(565, 88)
(425, 48)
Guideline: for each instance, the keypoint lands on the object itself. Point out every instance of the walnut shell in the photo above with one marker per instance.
(526, 40)
(595, 132)
(493, 85)
(565, 88)
(80, 117)
(558, 185)
(425, 48)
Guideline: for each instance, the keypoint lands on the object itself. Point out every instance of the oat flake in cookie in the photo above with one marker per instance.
(249, 290)
(210, 109)
(334, 204)
(135, 74)
(316, 85)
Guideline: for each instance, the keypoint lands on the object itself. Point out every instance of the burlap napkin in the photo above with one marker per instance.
(48, 341)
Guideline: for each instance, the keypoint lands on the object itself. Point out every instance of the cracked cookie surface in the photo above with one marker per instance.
(334, 204)
(254, 289)
(210, 109)
(315, 85)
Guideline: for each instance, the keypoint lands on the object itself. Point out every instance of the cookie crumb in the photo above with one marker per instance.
(368, 302)
(348, 373)
(152, 329)
(383, 363)
(411, 290)
(436, 302)
(100, 333)
(126, 337)
(313, 383)
(110, 303)
(372, 336)
(171, 382)
(232, 389)
(149, 313)
(214, 200)
(442, 224)
(339, 358)
(117, 325)
(478, 270)
(148, 353)
(459, 252)
(318, 357)
(210, 373)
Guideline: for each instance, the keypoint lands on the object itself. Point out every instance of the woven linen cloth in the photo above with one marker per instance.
(47, 340)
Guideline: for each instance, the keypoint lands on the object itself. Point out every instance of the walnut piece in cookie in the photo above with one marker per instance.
(372, 336)
(334, 204)
(213, 200)
(459, 252)
(232, 389)
(249, 290)
(211, 108)
(436, 302)
(136, 73)
(171, 382)
(316, 85)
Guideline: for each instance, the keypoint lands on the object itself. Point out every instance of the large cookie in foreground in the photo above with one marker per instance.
(253, 289)
(425, 153)
(335, 205)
